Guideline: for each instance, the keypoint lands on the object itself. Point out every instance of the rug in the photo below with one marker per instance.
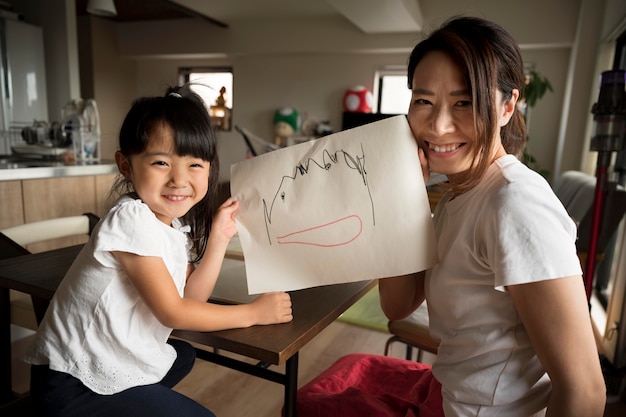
(366, 313)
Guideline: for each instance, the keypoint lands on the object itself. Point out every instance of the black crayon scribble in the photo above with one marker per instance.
(328, 160)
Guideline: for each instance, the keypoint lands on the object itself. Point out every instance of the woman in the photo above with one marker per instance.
(506, 300)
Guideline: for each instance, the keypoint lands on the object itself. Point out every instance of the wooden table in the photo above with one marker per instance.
(313, 309)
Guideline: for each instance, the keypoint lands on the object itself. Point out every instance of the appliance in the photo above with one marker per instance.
(24, 99)
(608, 137)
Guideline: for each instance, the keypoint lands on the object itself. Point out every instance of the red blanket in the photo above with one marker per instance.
(363, 385)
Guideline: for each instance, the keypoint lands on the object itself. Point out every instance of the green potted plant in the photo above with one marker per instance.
(536, 87)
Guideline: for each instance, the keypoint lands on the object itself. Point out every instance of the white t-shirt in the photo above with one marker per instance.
(509, 229)
(97, 328)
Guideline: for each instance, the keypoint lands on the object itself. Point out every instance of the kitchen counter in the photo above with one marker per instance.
(26, 169)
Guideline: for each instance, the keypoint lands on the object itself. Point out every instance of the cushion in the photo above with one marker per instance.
(372, 385)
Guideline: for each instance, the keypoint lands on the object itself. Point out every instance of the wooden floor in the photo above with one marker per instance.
(231, 393)
(250, 396)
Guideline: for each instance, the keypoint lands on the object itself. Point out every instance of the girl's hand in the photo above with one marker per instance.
(424, 164)
(224, 220)
(272, 308)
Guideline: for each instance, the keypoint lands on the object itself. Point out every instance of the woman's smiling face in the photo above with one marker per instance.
(441, 114)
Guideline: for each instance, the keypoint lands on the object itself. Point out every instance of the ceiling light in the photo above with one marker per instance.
(104, 8)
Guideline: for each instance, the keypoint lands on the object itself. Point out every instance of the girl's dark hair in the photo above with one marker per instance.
(184, 111)
(490, 59)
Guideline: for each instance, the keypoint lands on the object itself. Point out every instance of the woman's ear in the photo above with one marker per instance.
(123, 164)
(509, 108)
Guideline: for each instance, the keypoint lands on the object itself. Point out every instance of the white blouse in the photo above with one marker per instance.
(97, 327)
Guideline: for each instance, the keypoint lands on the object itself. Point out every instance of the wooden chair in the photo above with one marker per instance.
(27, 233)
(28, 311)
(20, 407)
(413, 332)
(22, 306)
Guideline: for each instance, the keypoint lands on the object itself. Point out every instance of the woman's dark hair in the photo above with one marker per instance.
(490, 59)
(185, 113)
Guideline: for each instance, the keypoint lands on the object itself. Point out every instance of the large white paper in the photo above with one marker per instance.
(348, 207)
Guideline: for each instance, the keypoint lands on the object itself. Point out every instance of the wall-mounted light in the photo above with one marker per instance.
(105, 8)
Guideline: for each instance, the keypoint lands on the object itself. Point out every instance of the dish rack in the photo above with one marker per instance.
(41, 147)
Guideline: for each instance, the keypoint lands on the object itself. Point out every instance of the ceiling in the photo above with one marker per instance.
(142, 10)
(371, 16)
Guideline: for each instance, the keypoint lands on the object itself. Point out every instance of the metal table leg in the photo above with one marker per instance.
(291, 386)
(6, 389)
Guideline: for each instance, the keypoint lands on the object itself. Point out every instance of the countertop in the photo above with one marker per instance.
(25, 169)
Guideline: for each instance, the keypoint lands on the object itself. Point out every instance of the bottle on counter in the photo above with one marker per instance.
(81, 125)
(91, 131)
(70, 128)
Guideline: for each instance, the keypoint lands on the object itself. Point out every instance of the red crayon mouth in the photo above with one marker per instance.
(336, 233)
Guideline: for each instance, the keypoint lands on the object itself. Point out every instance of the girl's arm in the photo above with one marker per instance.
(201, 281)
(400, 296)
(154, 284)
(556, 317)
(152, 280)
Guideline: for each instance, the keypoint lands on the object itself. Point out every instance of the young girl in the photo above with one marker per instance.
(102, 348)
(506, 300)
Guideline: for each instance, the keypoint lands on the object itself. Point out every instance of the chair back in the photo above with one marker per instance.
(25, 234)
(13, 242)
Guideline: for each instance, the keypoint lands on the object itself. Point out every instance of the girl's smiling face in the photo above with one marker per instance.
(168, 183)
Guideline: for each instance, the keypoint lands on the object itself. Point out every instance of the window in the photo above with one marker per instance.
(215, 86)
(392, 97)
(392, 92)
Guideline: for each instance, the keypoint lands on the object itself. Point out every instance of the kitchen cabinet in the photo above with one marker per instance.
(11, 207)
(40, 199)
(103, 185)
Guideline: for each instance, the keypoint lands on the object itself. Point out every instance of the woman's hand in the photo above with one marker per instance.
(272, 308)
(424, 163)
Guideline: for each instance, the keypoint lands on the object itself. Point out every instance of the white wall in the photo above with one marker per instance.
(313, 84)
(544, 121)
(107, 77)
(309, 63)
(614, 23)
(305, 67)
